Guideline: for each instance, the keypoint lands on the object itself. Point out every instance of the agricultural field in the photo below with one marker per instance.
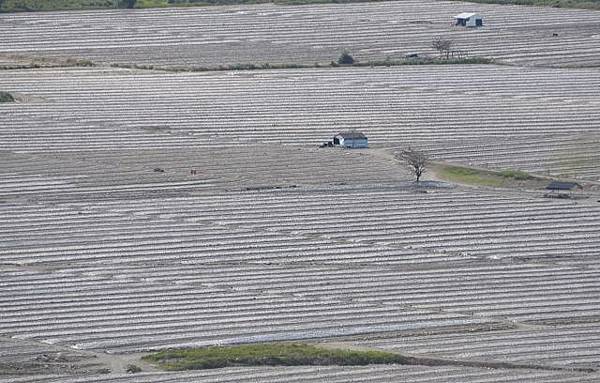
(266, 33)
(148, 209)
(123, 274)
(537, 120)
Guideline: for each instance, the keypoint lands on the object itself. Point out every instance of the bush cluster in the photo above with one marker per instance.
(345, 58)
(6, 97)
(515, 174)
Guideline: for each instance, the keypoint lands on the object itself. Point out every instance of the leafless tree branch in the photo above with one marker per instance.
(416, 161)
(442, 45)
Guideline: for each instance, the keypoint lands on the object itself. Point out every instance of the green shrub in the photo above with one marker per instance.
(6, 97)
(132, 369)
(515, 174)
(127, 3)
(78, 62)
(345, 58)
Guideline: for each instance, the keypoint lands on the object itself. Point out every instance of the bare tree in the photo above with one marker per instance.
(416, 161)
(442, 45)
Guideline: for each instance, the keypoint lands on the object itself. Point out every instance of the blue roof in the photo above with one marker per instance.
(559, 185)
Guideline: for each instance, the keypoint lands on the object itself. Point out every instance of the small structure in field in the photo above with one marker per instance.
(351, 139)
(559, 189)
(467, 19)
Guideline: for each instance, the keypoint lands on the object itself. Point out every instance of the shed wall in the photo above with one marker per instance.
(354, 143)
(472, 22)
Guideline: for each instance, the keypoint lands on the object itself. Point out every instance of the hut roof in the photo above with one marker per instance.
(465, 15)
(352, 135)
(559, 185)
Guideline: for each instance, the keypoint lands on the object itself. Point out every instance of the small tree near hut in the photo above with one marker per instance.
(416, 161)
(443, 46)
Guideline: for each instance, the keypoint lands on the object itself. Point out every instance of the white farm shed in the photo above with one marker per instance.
(467, 19)
(351, 140)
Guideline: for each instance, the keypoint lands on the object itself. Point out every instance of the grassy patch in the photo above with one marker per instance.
(269, 354)
(6, 97)
(515, 174)
(468, 176)
(471, 176)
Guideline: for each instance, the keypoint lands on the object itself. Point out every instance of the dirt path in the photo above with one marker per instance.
(119, 363)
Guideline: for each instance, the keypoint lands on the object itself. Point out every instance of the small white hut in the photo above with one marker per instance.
(351, 140)
(467, 19)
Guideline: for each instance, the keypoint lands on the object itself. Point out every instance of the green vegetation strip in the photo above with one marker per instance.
(333, 64)
(471, 176)
(270, 354)
(42, 62)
